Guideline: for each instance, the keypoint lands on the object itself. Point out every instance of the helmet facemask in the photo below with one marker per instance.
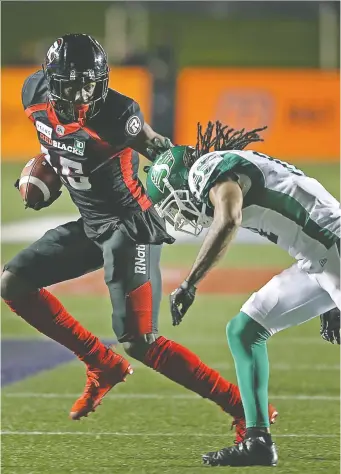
(181, 210)
(66, 105)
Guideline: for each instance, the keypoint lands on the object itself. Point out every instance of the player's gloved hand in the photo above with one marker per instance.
(158, 146)
(39, 205)
(330, 326)
(42, 204)
(184, 297)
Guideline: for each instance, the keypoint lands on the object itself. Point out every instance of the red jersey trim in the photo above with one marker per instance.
(132, 184)
(35, 108)
(66, 127)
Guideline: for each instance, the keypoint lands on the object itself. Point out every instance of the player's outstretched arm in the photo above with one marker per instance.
(149, 143)
(227, 199)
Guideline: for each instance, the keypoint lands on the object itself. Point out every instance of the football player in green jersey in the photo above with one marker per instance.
(221, 186)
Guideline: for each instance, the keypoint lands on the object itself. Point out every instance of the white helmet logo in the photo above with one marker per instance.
(54, 49)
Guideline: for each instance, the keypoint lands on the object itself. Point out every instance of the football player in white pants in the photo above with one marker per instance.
(227, 188)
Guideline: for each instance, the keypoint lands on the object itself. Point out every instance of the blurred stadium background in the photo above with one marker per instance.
(246, 63)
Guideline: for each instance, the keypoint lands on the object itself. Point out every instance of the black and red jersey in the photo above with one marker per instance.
(96, 163)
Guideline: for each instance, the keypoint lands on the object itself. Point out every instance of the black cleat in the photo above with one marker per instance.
(251, 452)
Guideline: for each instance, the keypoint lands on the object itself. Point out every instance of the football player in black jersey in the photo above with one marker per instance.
(90, 135)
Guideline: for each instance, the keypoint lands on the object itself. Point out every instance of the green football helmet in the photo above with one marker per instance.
(167, 187)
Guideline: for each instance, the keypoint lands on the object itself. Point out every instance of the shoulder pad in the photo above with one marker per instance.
(34, 90)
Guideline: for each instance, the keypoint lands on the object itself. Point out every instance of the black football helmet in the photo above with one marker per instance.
(77, 74)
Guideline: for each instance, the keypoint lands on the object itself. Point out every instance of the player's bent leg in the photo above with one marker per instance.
(133, 277)
(184, 367)
(57, 256)
(61, 254)
(289, 299)
(134, 281)
(247, 342)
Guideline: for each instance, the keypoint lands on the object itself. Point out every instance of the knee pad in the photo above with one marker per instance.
(13, 286)
(138, 348)
(5, 285)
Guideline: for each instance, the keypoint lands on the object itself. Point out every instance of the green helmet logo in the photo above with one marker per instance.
(162, 170)
(168, 171)
(167, 187)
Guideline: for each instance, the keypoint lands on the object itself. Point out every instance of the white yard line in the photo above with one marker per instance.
(277, 367)
(273, 341)
(157, 396)
(147, 434)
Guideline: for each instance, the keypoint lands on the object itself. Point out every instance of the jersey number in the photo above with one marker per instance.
(290, 168)
(68, 167)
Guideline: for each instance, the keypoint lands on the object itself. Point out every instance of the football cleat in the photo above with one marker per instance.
(251, 452)
(240, 424)
(99, 382)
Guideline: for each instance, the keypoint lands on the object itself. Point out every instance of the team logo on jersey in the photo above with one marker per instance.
(133, 125)
(69, 148)
(44, 129)
(54, 49)
(79, 145)
(161, 170)
(60, 130)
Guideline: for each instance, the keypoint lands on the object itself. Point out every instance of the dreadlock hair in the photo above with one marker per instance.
(225, 138)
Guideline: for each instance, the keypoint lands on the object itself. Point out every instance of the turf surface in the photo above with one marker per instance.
(155, 426)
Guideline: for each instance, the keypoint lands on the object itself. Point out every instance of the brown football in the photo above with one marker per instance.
(38, 181)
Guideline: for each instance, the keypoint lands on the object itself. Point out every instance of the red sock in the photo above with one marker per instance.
(44, 311)
(184, 367)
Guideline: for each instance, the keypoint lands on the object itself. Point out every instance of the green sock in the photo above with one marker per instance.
(247, 341)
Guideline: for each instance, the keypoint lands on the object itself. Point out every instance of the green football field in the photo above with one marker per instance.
(149, 424)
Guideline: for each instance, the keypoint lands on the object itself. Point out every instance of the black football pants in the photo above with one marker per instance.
(131, 272)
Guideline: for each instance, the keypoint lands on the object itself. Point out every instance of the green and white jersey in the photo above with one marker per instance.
(280, 202)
